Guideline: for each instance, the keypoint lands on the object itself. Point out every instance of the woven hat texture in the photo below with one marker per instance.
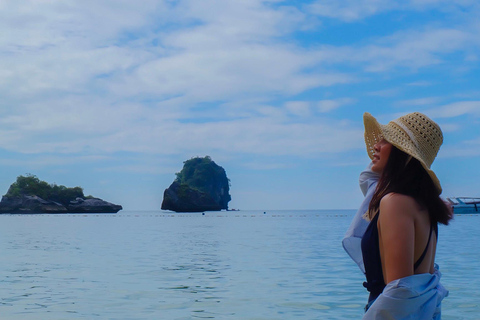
(414, 133)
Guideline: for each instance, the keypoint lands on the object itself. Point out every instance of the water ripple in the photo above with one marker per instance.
(280, 265)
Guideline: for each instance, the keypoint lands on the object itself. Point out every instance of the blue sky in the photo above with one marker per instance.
(113, 96)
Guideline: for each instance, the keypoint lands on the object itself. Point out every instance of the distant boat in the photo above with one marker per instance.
(465, 205)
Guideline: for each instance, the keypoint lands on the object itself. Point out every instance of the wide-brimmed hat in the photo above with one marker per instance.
(414, 133)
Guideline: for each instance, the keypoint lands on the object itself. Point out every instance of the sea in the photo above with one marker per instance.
(260, 265)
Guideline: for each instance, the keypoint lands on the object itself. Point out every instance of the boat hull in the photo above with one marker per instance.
(462, 205)
(462, 209)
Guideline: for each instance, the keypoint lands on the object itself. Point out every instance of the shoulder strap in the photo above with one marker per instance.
(419, 261)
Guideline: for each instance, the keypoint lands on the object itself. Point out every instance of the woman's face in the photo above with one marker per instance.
(380, 157)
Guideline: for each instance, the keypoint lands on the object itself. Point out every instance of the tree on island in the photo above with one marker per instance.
(31, 185)
(201, 185)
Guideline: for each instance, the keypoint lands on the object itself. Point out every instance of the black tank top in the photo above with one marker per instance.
(372, 261)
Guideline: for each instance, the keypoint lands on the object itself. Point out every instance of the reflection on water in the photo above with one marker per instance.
(243, 265)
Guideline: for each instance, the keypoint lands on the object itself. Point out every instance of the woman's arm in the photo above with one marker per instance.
(396, 227)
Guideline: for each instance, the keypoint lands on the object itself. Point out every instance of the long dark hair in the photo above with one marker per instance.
(405, 175)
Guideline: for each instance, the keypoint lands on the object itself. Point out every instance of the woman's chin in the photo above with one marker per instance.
(376, 169)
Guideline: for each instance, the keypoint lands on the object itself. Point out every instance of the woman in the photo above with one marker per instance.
(399, 244)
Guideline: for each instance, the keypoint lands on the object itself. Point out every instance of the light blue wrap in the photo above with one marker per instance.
(353, 238)
(415, 297)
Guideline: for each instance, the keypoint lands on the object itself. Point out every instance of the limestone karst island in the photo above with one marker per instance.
(31, 195)
(202, 185)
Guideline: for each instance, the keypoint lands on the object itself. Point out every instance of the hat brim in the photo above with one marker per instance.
(374, 132)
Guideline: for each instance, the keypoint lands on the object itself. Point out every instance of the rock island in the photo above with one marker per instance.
(202, 185)
(31, 195)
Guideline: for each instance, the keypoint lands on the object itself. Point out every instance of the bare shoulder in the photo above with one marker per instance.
(398, 206)
(397, 235)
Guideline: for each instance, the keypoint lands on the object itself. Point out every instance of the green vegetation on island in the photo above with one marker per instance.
(31, 185)
(205, 175)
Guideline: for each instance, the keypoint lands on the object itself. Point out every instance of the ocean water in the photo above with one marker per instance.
(223, 265)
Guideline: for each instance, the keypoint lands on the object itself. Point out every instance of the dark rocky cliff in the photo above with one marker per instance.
(202, 185)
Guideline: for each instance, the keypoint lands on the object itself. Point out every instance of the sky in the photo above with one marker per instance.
(115, 95)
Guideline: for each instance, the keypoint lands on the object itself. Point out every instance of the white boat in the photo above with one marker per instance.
(465, 205)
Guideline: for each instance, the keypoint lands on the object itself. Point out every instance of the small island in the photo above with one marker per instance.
(31, 195)
(202, 185)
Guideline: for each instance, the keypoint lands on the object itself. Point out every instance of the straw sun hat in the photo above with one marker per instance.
(414, 133)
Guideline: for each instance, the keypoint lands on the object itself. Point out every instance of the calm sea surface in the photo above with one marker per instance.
(224, 265)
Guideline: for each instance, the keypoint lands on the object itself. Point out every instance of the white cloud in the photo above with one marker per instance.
(298, 108)
(115, 76)
(213, 51)
(53, 160)
(97, 77)
(463, 149)
(232, 22)
(420, 84)
(385, 93)
(456, 109)
(350, 10)
(221, 74)
(262, 165)
(442, 4)
(36, 24)
(268, 134)
(332, 104)
(414, 48)
(419, 101)
(474, 143)
(354, 10)
(449, 127)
